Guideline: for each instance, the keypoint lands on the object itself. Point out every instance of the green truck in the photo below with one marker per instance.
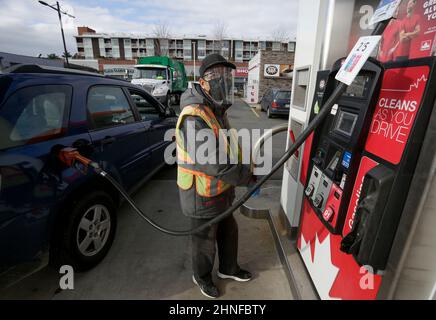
(164, 78)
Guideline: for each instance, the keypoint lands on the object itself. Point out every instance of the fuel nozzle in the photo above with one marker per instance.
(72, 158)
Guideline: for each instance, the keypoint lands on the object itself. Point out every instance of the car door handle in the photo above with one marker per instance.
(107, 140)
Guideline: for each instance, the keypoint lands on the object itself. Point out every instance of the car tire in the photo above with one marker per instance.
(268, 113)
(84, 249)
(177, 99)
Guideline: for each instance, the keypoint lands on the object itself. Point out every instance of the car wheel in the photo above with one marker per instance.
(268, 113)
(88, 231)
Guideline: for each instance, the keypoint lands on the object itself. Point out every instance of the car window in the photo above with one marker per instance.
(283, 95)
(34, 114)
(147, 110)
(108, 107)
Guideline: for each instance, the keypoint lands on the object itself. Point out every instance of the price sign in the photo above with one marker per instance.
(357, 58)
(385, 10)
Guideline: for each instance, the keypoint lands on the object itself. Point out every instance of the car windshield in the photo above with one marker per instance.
(150, 73)
(283, 95)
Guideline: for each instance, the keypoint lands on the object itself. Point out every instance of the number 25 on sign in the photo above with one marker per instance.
(357, 58)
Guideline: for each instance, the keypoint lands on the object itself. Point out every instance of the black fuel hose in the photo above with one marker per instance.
(317, 121)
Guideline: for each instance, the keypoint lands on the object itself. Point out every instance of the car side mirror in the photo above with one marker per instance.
(169, 112)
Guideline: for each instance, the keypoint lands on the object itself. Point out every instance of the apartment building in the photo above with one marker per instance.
(93, 45)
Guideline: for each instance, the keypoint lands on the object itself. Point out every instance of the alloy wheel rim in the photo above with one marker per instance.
(93, 230)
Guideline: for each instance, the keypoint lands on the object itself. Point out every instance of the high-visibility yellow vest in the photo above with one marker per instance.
(206, 186)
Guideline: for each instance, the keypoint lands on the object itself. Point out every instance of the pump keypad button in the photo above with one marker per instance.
(309, 190)
(328, 214)
(318, 201)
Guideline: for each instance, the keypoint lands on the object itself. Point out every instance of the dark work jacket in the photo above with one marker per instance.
(194, 205)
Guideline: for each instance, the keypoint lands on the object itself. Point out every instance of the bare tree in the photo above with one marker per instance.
(280, 34)
(162, 33)
(219, 33)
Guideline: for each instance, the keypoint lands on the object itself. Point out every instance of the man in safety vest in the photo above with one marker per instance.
(207, 186)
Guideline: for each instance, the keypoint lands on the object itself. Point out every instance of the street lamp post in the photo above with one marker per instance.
(194, 52)
(58, 9)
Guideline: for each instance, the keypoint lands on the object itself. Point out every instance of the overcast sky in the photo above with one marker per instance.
(27, 27)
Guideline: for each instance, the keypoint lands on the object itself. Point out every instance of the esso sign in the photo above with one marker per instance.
(272, 70)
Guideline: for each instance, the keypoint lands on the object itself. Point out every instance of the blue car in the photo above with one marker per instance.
(276, 102)
(51, 212)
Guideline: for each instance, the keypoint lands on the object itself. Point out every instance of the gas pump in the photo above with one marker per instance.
(358, 169)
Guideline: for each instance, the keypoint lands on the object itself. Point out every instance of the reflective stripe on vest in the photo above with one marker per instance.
(206, 186)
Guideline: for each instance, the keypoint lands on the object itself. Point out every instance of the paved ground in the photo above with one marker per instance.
(146, 264)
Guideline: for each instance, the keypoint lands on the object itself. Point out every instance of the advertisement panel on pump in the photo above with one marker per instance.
(412, 34)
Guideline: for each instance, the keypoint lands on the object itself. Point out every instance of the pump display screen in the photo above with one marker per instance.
(345, 122)
(357, 88)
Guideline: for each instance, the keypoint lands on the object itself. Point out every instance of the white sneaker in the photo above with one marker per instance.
(241, 276)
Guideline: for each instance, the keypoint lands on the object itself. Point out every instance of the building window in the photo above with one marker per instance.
(276, 46)
(201, 44)
(149, 43)
(89, 52)
(187, 54)
(186, 44)
(291, 46)
(238, 45)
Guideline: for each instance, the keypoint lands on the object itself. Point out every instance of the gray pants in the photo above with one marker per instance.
(225, 235)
